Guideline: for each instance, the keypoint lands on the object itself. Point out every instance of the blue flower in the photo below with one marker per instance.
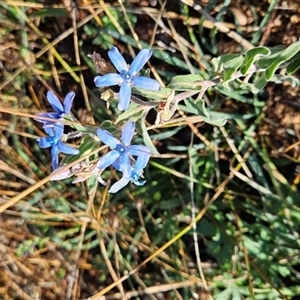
(53, 140)
(135, 174)
(60, 110)
(128, 76)
(122, 152)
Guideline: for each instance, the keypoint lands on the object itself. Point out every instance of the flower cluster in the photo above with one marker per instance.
(53, 140)
(128, 159)
(121, 156)
(55, 128)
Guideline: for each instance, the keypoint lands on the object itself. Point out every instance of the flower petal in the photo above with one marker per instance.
(68, 102)
(124, 96)
(107, 138)
(58, 130)
(54, 101)
(108, 80)
(135, 179)
(117, 59)
(44, 142)
(119, 185)
(39, 117)
(139, 61)
(141, 163)
(53, 115)
(146, 83)
(54, 154)
(124, 164)
(50, 131)
(127, 133)
(108, 159)
(139, 150)
(64, 148)
(116, 165)
(56, 117)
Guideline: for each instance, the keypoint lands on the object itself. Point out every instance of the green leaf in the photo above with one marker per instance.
(265, 61)
(284, 271)
(162, 94)
(213, 118)
(107, 125)
(292, 80)
(217, 119)
(227, 61)
(216, 64)
(251, 56)
(87, 145)
(133, 113)
(231, 67)
(206, 228)
(283, 57)
(185, 82)
(230, 293)
(294, 64)
(256, 86)
(49, 12)
(194, 108)
(260, 84)
(279, 58)
(166, 134)
(236, 293)
(230, 60)
(146, 137)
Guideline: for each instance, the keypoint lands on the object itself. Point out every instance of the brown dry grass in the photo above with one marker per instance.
(33, 265)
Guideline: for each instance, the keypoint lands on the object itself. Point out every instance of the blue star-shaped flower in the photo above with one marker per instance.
(53, 140)
(60, 110)
(134, 176)
(128, 76)
(122, 152)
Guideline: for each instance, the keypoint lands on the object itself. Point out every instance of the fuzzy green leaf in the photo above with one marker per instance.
(251, 56)
(185, 82)
(146, 137)
(133, 113)
(213, 118)
(228, 61)
(278, 57)
(292, 80)
(260, 84)
(265, 61)
(163, 94)
(87, 145)
(231, 67)
(285, 55)
(294, 64)
(256, 86)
